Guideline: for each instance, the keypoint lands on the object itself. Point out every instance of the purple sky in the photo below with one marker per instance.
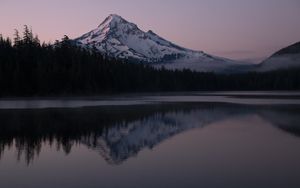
(238, 29)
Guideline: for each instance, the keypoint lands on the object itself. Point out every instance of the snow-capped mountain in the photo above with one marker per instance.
(285, 58)
(119, 38)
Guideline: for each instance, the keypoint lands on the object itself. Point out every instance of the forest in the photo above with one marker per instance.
(31, 68)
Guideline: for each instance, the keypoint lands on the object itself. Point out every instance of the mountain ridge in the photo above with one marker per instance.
(286, 58)
(119, 38)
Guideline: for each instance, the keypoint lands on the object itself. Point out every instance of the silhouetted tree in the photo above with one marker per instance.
(28, 68)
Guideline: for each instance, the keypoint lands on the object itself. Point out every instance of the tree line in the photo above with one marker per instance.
(31, 68)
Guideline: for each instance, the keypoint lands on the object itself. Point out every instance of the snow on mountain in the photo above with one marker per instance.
(119, 38)
(285, 58)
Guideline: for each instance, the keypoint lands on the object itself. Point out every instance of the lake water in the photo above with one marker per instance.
(181, 140)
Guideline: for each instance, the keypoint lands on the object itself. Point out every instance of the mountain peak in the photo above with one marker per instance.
(115, 16)
(118, 38)
(113, 20)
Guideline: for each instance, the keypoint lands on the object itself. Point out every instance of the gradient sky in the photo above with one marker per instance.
(238, 29)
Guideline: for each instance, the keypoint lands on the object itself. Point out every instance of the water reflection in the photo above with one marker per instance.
(118, 133)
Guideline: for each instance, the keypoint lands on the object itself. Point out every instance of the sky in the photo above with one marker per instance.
(248, 30)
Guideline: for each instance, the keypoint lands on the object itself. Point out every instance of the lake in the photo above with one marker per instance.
(180, 140)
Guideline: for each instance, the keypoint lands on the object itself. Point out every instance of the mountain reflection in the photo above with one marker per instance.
(119, 133)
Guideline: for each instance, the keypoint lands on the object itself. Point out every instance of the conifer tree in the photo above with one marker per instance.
(17, 38)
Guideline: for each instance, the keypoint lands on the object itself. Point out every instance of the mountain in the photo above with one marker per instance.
(116, 37)
(285, 58)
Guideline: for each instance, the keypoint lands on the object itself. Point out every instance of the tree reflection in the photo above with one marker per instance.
(119, 133)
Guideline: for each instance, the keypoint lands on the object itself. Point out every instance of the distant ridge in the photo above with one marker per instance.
(286, 58)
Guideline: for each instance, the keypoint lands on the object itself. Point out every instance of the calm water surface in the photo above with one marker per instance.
(196, 140)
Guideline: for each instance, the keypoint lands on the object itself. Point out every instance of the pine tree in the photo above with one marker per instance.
(17, 38)
(27, 35)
